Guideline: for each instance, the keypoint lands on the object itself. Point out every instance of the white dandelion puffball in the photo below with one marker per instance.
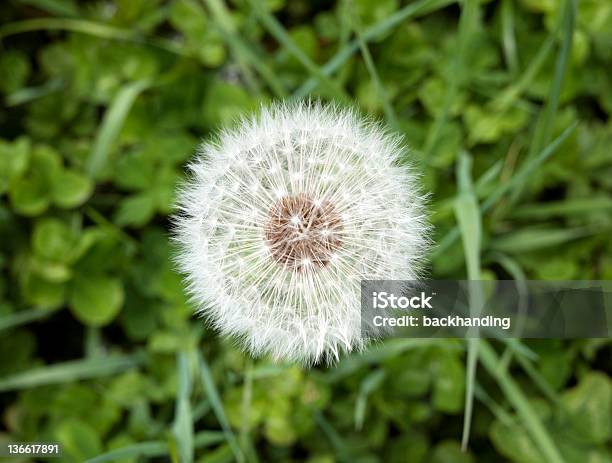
(282, 218)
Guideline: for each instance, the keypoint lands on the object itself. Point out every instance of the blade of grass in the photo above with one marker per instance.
(369, 384)
(515, 396)
(508, 36)
(527, 240)
(143, 449)
(71, 371)
(245, 56)
(57, 7)
(155, 448)
(544, 125)
(467, 212)
(540, 381)
(25, 95)
(92, 28)
(342, 449)
(247, 399)
(200, 409)
(23, 317)
(276, 29)
(345, 31)
(207, 438)
(411, 10)
(446, 207)
(99, 30)
(498, 411)
(526, 169)
(369, 62)
(208, 384)
(468, 24)
(518, 347)
(514, 269)
(510, 94)
(468, 216)
(112, 124)
(223, 24)
(182, 428)
(390, 348)
(221, 454)
(516, 272)
(569, 207)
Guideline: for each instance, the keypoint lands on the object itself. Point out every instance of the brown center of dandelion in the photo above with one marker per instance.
(303, 233)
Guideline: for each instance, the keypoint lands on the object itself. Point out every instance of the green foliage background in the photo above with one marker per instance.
(506, 105)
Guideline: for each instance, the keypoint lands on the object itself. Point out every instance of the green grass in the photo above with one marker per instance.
(210, 389)
(512, 144)
(470, 226)
(22, 318)
(70, 371)
(182, 428)
(112, 124)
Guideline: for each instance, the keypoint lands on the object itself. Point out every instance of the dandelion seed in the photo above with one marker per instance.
(284, 216)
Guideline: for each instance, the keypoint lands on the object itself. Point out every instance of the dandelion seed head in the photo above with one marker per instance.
(281, 219)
